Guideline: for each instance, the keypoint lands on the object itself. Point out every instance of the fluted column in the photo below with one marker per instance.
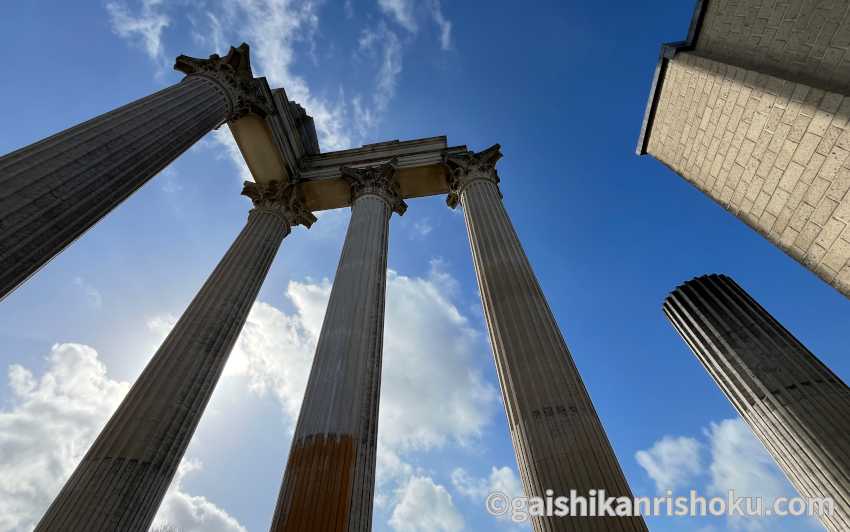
(796, 406)
(558, 439)
(329, 481)
(53, 191)
(121, 480)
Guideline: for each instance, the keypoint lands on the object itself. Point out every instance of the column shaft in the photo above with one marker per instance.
(794, 404)
(560, 443)
(121, 480)
(53, 191)
(330, 474)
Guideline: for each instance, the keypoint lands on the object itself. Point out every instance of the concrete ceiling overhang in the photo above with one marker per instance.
(275, 148)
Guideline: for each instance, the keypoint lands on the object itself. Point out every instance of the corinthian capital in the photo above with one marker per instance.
(281, 199)
(233, 74)
(465, 168)
(378, 180)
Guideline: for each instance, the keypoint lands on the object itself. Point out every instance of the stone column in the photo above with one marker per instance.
(53, 191)
(559, 441)
(796, 406)
(329, 481)
(121, 480)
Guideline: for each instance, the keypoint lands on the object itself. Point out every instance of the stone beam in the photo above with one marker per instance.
(282, 146)
(273, 144)
(419, 170)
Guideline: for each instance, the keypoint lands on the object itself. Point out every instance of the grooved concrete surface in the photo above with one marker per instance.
(560, 443)
(123, 477)
(330, 474)
(796, 406)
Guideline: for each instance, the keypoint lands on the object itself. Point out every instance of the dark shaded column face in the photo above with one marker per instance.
(330, 475)
(794, 404)
(558, 439)
(122, 479)
(53, 191)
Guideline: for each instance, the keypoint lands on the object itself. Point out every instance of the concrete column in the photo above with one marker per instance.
(53, 191)
(796, 406)
(121, 480)
(559, 441)
(330, 475)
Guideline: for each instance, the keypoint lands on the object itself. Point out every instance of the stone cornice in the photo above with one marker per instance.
(466, 168)
(233, 74)
(378, 180)
(281, 199)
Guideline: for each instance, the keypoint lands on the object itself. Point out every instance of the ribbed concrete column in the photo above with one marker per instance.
(558, 439)
(794, 404)
(121, 480)
(53, 191)
(330, 475)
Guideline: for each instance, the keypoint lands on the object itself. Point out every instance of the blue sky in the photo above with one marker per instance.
(561, 85)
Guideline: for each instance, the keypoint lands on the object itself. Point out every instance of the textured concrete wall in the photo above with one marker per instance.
(801, 40)
(775, 153)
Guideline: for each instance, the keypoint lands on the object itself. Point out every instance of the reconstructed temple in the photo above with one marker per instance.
(753, 110)
(796, 406)
(54, 190)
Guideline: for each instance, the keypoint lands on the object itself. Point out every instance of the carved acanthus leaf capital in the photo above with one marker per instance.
(377, 180)
(465, 168)
(233, 74)
(279, 198)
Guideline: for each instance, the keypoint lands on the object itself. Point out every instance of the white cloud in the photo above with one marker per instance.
(275, 350)
(161, 325)
(389, 72)
(273, 27)
(444, 25)
(404, 12)
(401, 11)
(738, 461)
(225, 140)
(431, 394)
(383, 46)
(425, 507)
(51, 422)
(501, 479)
(192, 513)
(422, 228)
(93, 295)
(671, 462)
(143, 29)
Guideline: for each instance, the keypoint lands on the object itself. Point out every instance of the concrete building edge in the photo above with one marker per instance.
(668, 51)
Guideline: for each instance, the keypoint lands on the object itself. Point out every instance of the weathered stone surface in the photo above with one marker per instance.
(770, 151)
(330, 474)
(560, 443)
(753, 109)
(793, 403)
(121, 480)
(53, 191)
(803, 40)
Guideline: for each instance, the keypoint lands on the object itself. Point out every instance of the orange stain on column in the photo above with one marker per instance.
(317, 494)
